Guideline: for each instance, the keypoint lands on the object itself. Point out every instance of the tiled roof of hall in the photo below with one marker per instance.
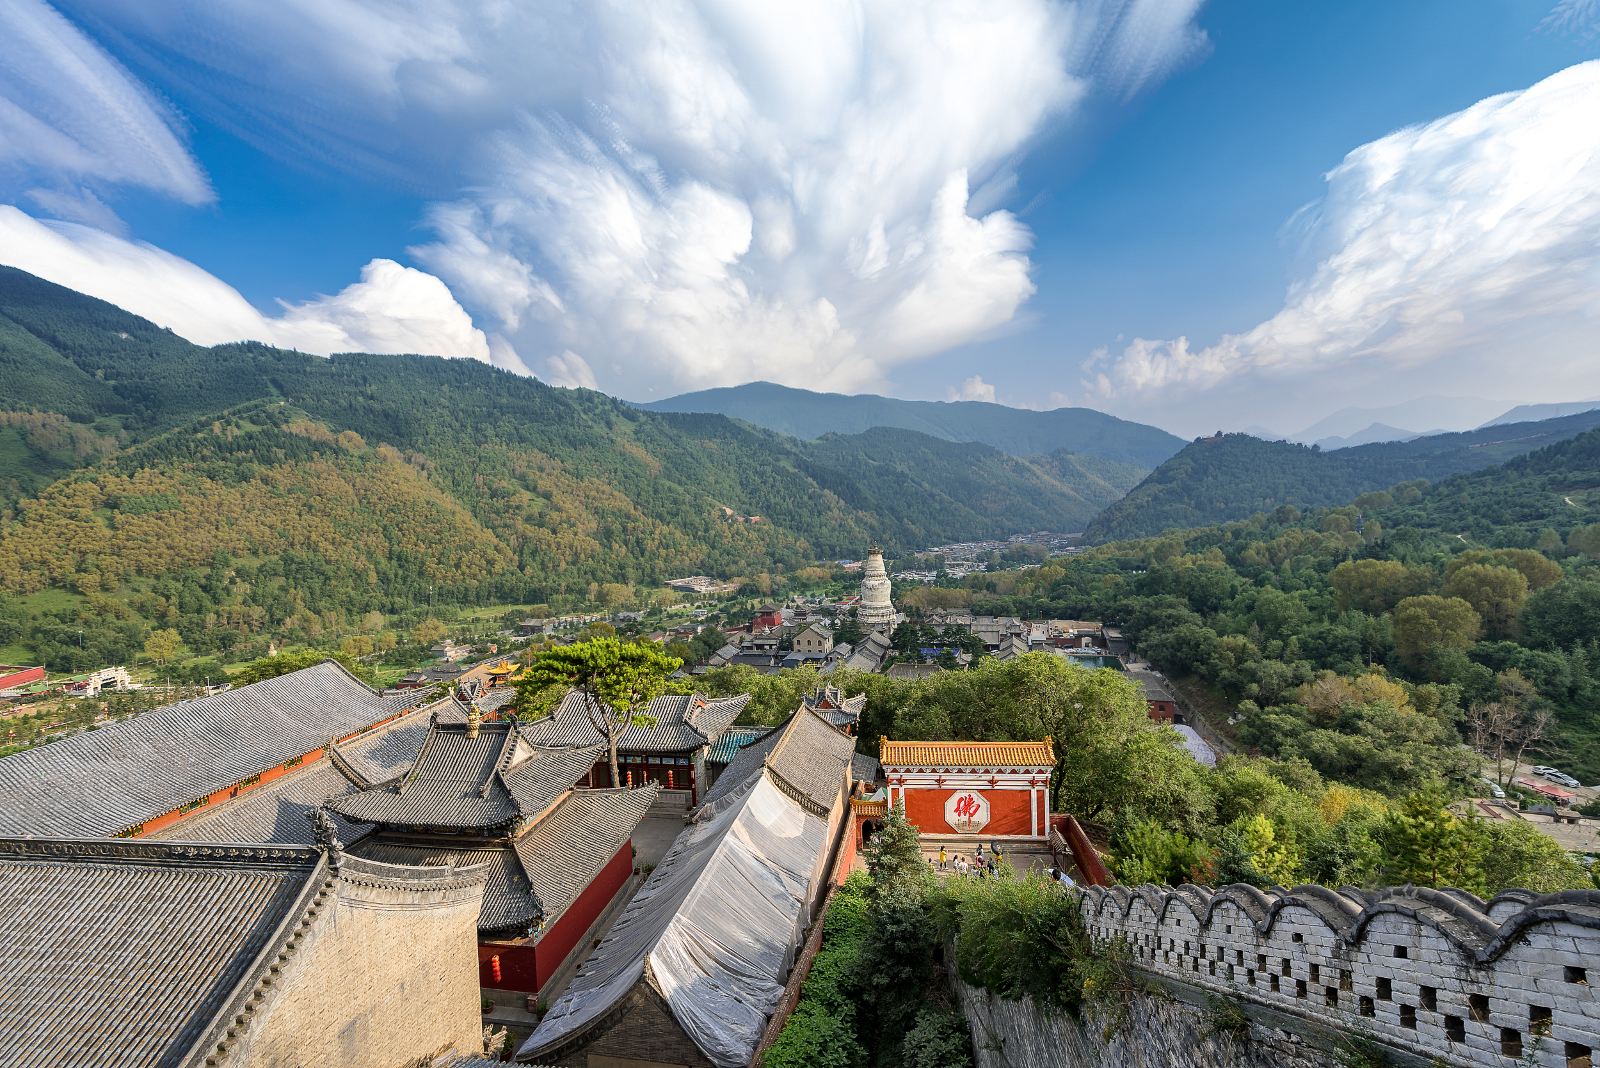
(996, 755)
(466, 779)
(105, 781)
(276, 811)
(805, 756)
(681, 723)
(148, 992)
(536, 877)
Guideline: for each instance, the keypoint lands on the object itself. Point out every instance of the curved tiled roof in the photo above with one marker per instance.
(464, 780)
(104, 781)
(680, 723)
(566, 850)
(805, 756)
(509, 903)
(966, 754)
(276, 811)
(179, 928)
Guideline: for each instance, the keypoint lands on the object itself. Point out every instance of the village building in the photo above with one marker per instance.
(968, 790)
(1161, 704)
(133, 778)
(669, 748)
(876, 609)
(693, 969)
(870, 652)
(556, 857)
(816, 638)
(766, 617)
(229, 957)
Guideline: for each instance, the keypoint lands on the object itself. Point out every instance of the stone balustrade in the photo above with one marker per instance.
(1437, 974)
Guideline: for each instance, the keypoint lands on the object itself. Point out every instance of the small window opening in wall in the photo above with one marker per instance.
(1298, 937)
(1402, 952)
(1579, 1056)
(1299, 988)
(1455, 1029)
(1539, 1019)
(1220, 951)
(1286, 967)
(1385, 990)
(1347, 981)
(1576, 975)
(1274, 984)
(1478, 1005)
(1430, 998)
(1365, 1006)
(1408, 1016)
(1330, 995)
(1316, 973)
(1212, 967)
(1261, 961)
(1239, 957)
(1510, 1042)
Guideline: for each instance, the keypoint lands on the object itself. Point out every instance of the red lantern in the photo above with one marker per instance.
(494, 967)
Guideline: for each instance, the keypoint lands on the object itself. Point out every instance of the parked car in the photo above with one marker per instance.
(1540, 769)
(1494, 789)
(1564, 779)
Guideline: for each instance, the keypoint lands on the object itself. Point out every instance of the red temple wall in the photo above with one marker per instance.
(1008, 811)
(529, 966)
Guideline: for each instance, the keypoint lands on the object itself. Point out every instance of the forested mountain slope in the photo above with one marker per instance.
(243, 482)
(803, 414)
(1231, 476)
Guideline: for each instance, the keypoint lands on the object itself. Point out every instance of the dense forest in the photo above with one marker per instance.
(243, 490)
(803, 414)
(1233, 476)
(1369, 639)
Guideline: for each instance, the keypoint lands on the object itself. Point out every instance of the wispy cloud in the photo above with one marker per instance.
(682, 194)
(972, 389)
(392, 309)
(74, 123)
(1472, 241)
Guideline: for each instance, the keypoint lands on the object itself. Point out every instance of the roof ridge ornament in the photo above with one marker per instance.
(327, 836)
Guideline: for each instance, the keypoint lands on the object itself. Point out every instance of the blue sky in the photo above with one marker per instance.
(1199, 215)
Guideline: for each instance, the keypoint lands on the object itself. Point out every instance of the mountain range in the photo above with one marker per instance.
(800, 413)
(273, 482)
(1232, 476)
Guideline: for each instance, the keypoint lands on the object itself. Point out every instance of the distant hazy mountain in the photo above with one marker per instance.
(803, 414)
(1450, 413)
(1374, 433)
(1522, 413)
(1233, 476)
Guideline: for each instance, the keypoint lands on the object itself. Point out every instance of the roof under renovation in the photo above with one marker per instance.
(726, 907)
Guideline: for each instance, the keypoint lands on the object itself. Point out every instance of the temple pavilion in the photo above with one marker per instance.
(483, 793)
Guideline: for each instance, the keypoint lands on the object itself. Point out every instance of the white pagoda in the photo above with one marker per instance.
(876, 610)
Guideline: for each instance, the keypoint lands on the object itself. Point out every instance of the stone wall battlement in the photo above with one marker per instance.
(1435, 973)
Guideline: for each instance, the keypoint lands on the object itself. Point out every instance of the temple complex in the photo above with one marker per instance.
(694, 967)
(555, 856)
(876, 609)
(842, 713)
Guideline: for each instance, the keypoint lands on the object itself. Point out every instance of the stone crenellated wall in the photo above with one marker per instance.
(1439, 975)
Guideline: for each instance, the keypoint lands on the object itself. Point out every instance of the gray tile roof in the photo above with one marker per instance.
(176, 928)
(682, 724)
(493, 780)
(104, 781)
(276, 811)
(805, 756)
(509, 903)
(566, 850)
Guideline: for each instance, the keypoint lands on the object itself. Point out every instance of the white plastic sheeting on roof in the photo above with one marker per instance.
(718, 921)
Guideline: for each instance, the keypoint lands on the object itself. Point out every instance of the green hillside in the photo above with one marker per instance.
(239, 487)
(1231, 476)
(803, 414)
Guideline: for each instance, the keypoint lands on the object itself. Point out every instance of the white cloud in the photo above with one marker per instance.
(392, 309)
(1472, 242)
(1577, 18)
(568, 369)
(972, 389)
(689, 192)
(72, 119)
